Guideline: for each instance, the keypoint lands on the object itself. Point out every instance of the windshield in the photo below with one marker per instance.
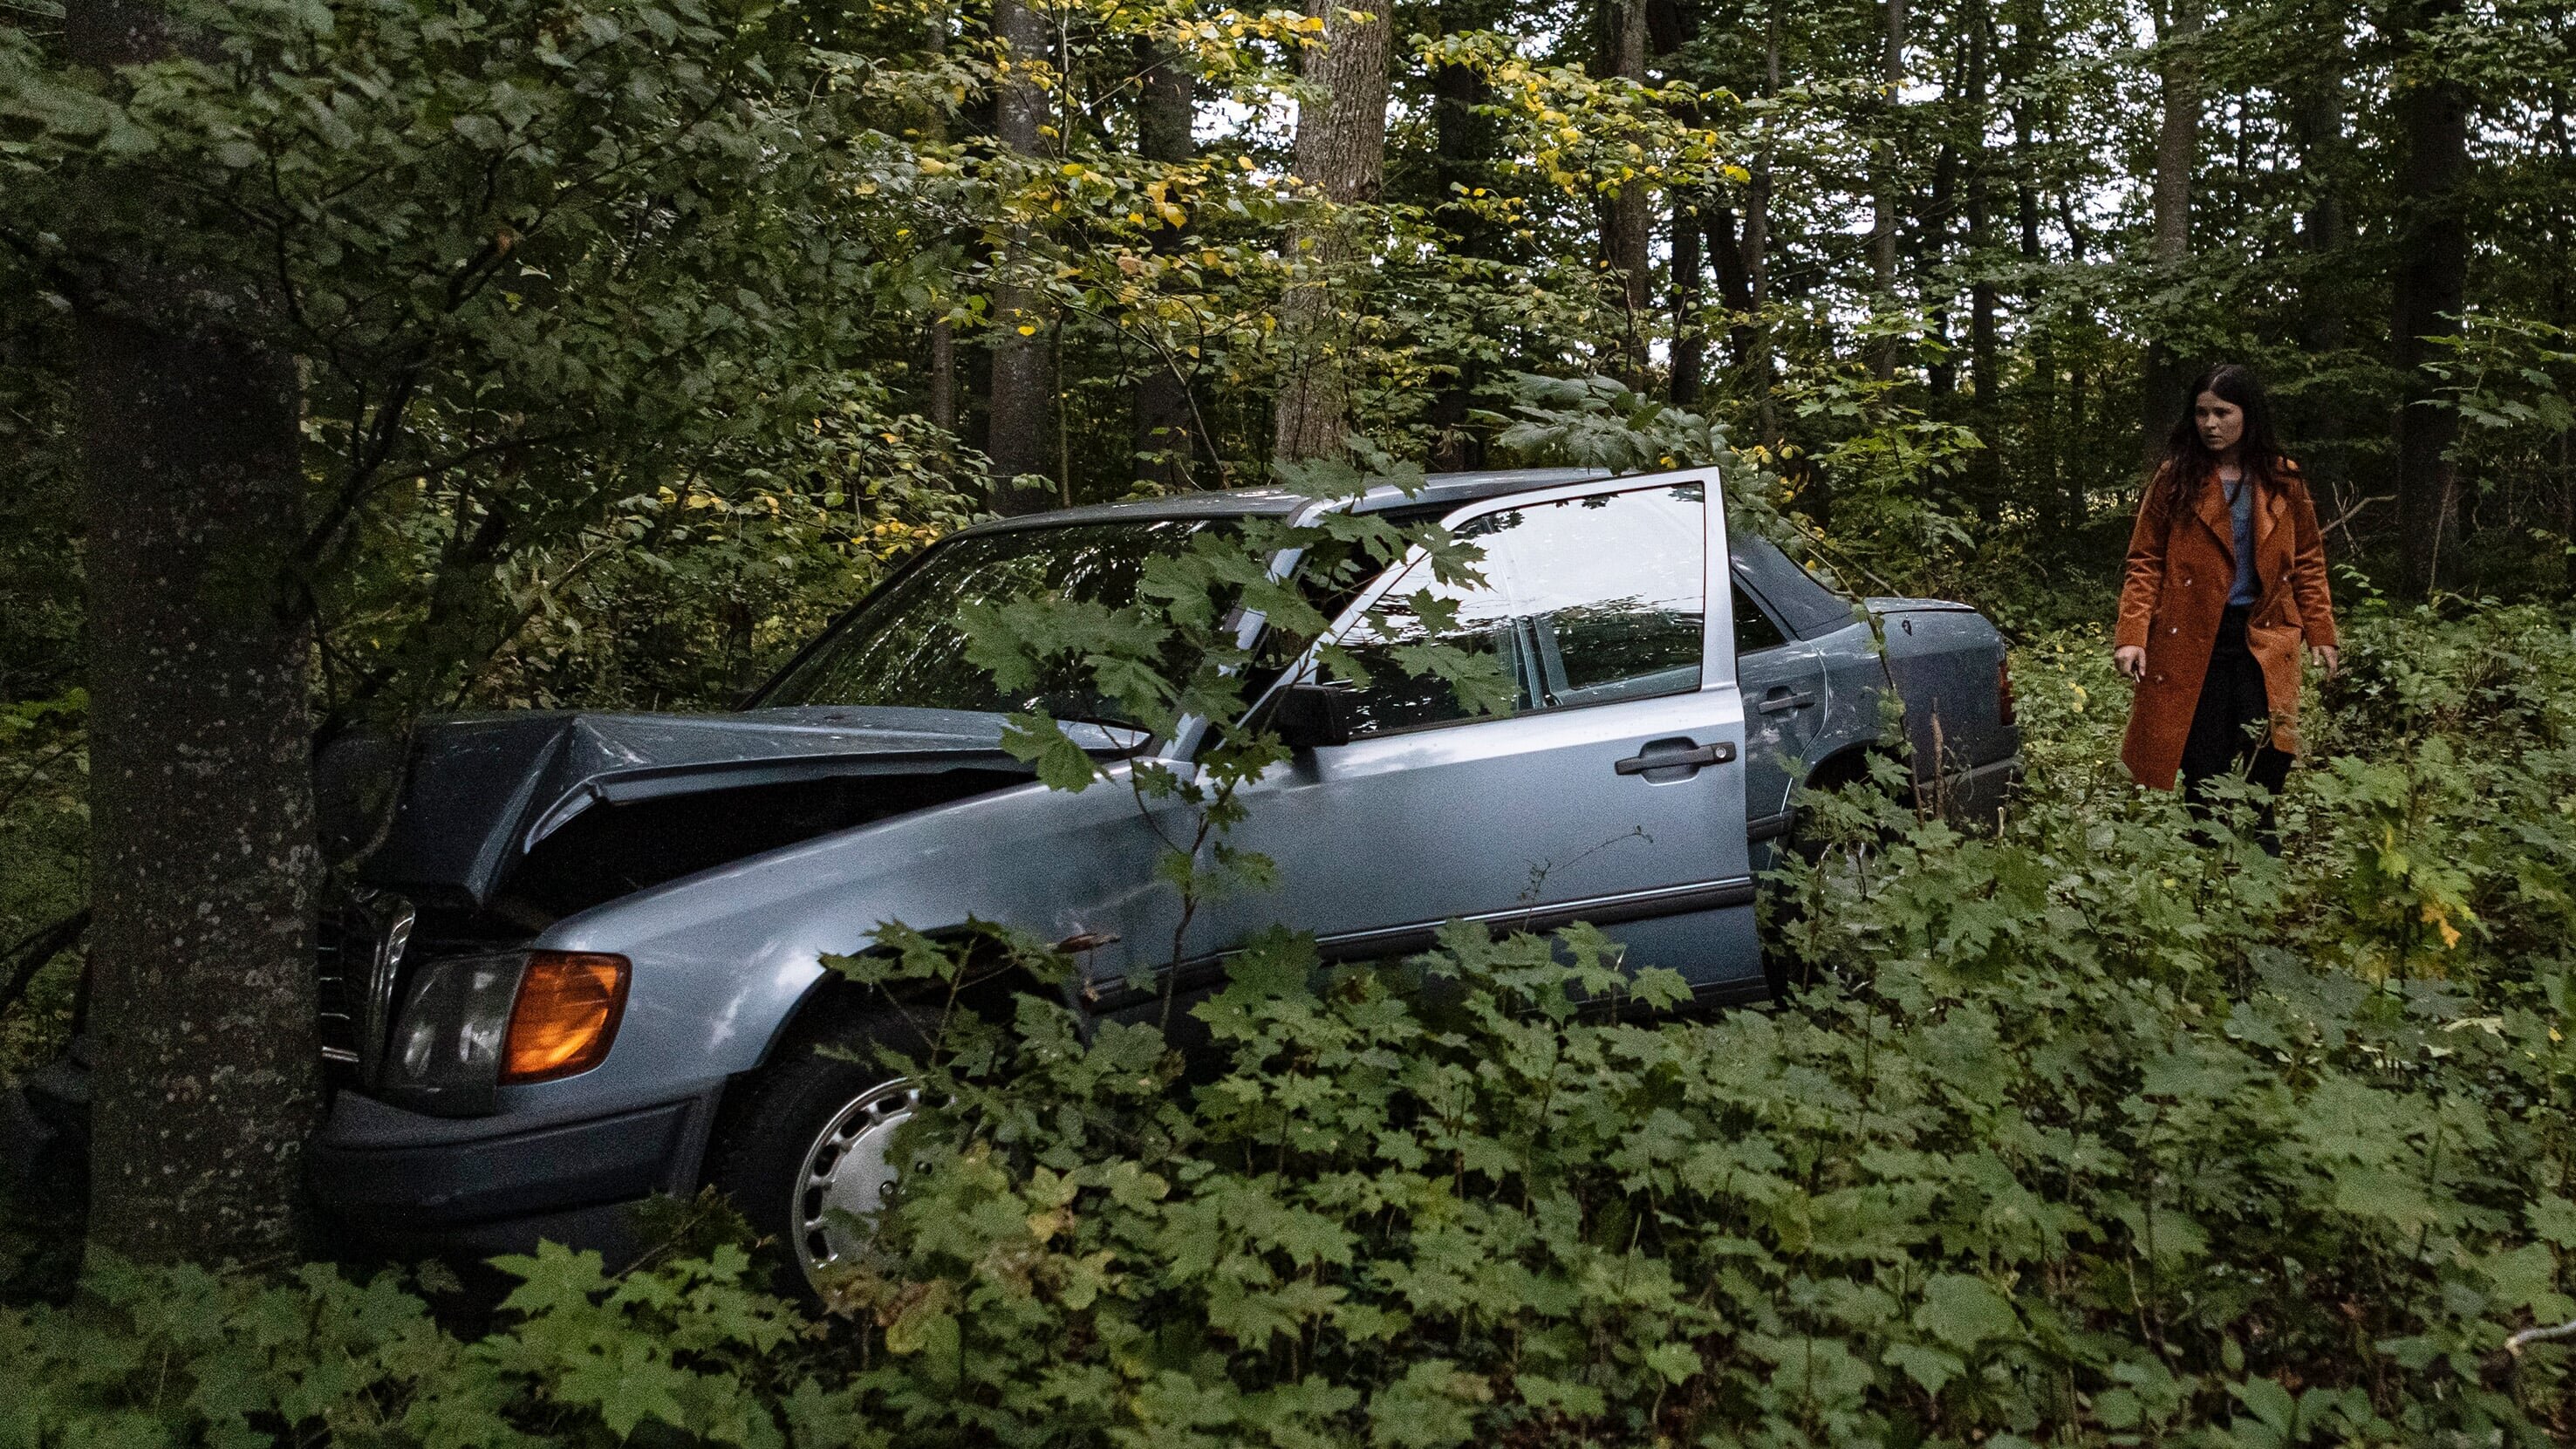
(905, 647)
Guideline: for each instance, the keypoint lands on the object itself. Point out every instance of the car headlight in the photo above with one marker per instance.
(471, 1023)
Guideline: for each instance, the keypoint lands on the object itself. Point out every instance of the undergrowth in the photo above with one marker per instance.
(2075, 1132)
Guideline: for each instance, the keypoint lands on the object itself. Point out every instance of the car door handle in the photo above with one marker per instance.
(1781, 701)
(1687, 757)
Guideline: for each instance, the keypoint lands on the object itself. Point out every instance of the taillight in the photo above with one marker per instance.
(2003, 689)
(565, 1015)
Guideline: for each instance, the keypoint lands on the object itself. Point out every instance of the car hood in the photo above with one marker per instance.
(472, 794)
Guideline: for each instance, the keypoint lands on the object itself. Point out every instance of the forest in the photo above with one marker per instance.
(365, 361)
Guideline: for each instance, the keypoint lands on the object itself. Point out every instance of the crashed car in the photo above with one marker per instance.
(583, 961)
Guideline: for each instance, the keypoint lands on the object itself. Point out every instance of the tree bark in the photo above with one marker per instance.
(1463, 153)
(1690, 340)
(1942, 374)
(2316, 127)
(2063, 487)
(1018, 436)
(2431, 281)
(1883, 201)
(1757, 241)
(1341, 154)
(943, 333)
(1985, 470)
(1735, 278)
(1628, 229)
(2177, 149)
(1166, 108)
(203, 857)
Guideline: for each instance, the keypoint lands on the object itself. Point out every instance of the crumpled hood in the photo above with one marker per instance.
(477, 792)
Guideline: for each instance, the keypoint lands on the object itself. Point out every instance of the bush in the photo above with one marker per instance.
(2079, 1131)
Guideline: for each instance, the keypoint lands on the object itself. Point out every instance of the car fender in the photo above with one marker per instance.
(722, 960)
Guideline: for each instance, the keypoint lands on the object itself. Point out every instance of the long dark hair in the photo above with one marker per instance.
(2188, 459)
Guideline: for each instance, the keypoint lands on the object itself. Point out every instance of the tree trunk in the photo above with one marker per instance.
(1627, 233)
(1463, 154)
(1883, 201)
(1018, 436)
(203, 857)
(1734, 278)
(1690, 340)
(2432, 280)
(1757, 241)
(2063, 487)
(943, 333)
(1932, 262)
(1341, 153)
(1985, 470)
(1166, 107)
(2316, 127)
(2160, 401)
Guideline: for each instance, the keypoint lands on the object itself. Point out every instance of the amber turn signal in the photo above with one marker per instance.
(565, 1016)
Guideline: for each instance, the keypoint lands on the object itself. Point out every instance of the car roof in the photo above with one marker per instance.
(1438, 490)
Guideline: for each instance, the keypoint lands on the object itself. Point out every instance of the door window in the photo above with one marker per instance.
(1586, 600)
(1754, 631)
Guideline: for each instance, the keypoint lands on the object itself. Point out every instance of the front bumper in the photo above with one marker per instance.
(393, 1179)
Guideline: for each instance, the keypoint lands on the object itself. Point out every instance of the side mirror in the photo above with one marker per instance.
(1307, 715)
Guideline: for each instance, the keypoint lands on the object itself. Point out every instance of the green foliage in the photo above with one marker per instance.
(2078, 1132)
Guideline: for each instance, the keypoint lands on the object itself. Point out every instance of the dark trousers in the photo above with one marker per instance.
(2230, 728)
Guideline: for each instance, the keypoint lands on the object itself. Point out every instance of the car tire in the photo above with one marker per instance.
(806, 1142)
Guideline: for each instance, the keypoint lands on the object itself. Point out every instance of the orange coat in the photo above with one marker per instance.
(2175, 592)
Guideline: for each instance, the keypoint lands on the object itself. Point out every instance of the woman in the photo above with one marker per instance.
(2226, 577)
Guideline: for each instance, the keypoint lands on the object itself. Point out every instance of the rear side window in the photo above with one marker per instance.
(1754, 631)
(1587, 600)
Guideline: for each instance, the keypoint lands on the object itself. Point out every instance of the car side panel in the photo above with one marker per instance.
(721, 959)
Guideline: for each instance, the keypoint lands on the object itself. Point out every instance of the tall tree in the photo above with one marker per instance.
(1017, 437)
(1628, 221)
(1341, 155)
(942, 332)
(1464, 147)
(2177, 152)
(203, 858)
(1690, 341)
(1884, 202)
(2432, 112)
(1166, 108)
(1984, 344)
(2317, 102)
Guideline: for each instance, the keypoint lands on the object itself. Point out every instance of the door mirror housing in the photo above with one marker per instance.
(1308, 715)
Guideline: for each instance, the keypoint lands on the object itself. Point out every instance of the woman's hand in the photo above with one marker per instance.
(2131, 660)
(2327, 657)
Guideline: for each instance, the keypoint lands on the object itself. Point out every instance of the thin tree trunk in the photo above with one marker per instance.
(942, 333)
(1943, 371)
(1341, 153)
(1985, 474)
(1018, 436)
(1165, 111)
(2431, 288)
(2177, 150)
(1464, 146)
(1734, 279)
(2316, 124)
(1757, 240)
(1690, 340)
(1629, 223)
(1883, 202)
(2061, 485)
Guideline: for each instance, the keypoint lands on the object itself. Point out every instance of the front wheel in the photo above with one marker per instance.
(807, 1157)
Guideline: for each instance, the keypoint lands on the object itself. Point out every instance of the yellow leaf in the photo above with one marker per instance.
(1027, 331)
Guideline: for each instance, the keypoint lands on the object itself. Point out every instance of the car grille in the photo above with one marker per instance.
(357, 953)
